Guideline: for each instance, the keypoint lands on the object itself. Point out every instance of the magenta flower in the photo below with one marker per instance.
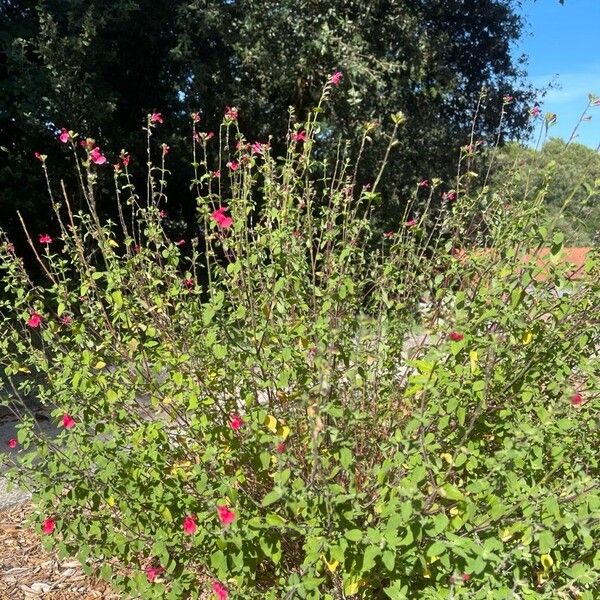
(156, 118)
(410, 223)
(234, 165)
(189, 525)
(41, 157)
(44, 238)
(336, 78)
(12, 443)
(125, 158)
(280, 448)
(231, 113)
(189, 283)
(66, 320)
(97, 157)
(181, 242)
(215, 174)
(48, 526)
(258, 148)
(424, 183)
(299, 136)
(456, 336)
(535, 112)
(449, 196)
(68, 421)
(35, 320)
(165, 149)
(220, 591)
(153, 572)
(236, 422)
(223, 221)
(64, 136)
(576, 399)
(226, 516)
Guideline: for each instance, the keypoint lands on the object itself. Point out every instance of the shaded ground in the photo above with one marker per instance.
(27, 572)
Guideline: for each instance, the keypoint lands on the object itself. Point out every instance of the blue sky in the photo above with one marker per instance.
(563, 44)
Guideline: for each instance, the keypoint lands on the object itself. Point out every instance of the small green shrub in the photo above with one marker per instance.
(269, 410)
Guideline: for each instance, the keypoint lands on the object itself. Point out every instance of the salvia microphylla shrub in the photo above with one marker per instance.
(292, 405)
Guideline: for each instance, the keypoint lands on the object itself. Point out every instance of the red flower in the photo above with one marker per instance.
(466, 576)
(236, 422)
(219, 590)
(97, 157)
(189, 525)
(410, 223)
(299, 136)
(48, 526)
(125, 158)
(153, 572)
(423, 183)
(221, 219)
(156, 118)
(231, 113)
(226, 516)
(64, 136)
(336, 78)
(68, 421)
(280, 448)
(576, 399)
(12, 443)
(189, 283)
(216, 174)
(449, 196)
(44, 238)
(455, 336)
(35, 320)
(233, 165)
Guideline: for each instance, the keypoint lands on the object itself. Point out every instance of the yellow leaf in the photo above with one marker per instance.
(474, 358)
(527, 338)
(166, 513)
(113, 243)
(24, 370)
(167, 400)
(333, 565)
(100, 365)
(351, 587)
(312, 410)
(447, 457)
(271, 423)
(426, 573)
(505, 535)
(546, 561)
(283, 432)
(110, 501)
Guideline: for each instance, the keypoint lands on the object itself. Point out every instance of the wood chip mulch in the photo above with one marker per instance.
(28, 572)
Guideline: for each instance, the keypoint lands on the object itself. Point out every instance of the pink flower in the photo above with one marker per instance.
(424, 183)
(280, 448)
(466, 576)
(231, 113)
(299, 136)
(336, 78)
(219, 590)
(196, 117)
(68, 421)
(507, 99)
(223, 221)
(66, 320)
(117, 167)
(125, 158)
(209, 135)
(97, 157)
(388, 234)
(12, 443)
(189, 283)
(189, 525)
(236, 422)
(35, 320)
(64, 136)
(162, 214)
(226, 516)
(181, 242)
(165, 149)
(449, 196)
(233, 165)
(576, 399)
(153, 572)
(456, 336)
(10, 247)
(39, 156)
(44, 238)
(215, 174)
(410, 223)
(156, 118)
(535, 112)
(48, 526)
(258, 148)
